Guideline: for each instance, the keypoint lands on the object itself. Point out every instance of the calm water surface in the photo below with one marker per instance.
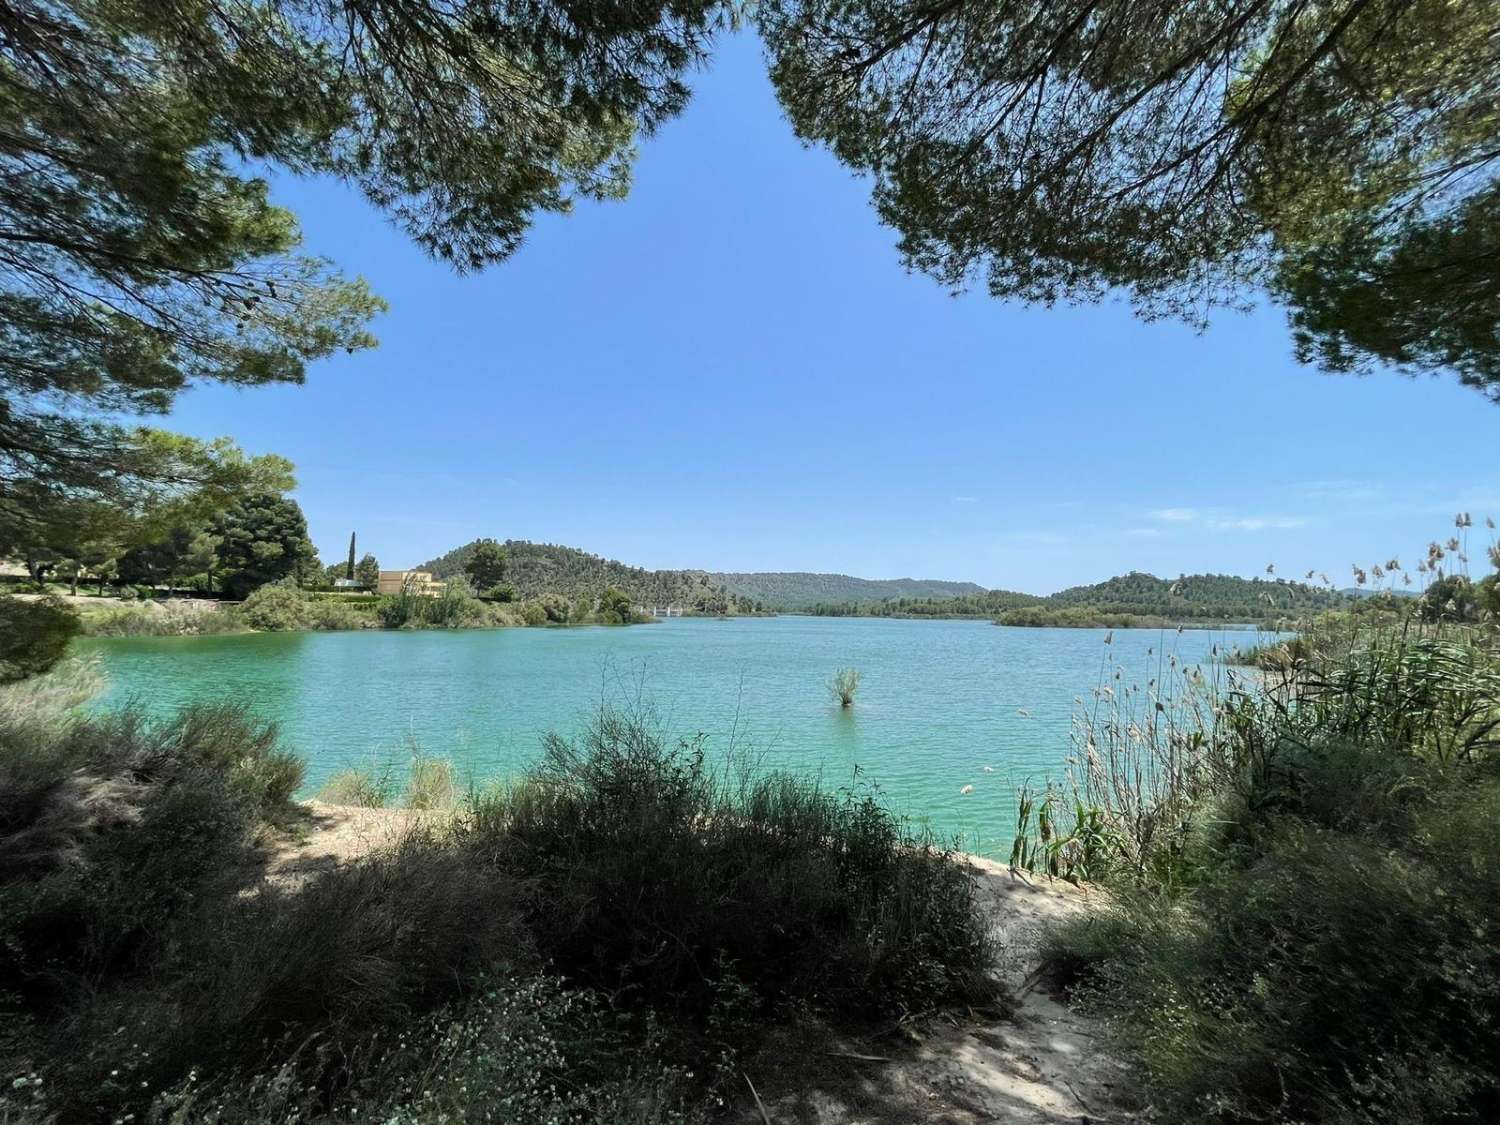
(939, 700)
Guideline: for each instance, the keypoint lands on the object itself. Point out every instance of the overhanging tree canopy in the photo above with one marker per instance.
(1342, 155)
(139, 253)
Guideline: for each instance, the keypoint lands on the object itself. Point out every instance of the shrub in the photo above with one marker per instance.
(1333, 959)
(525, 1050)
(653, 867)
(34, 636)
(276, 608)
(283, 608)
(333, 615)
(151, 975)
(456, 606)
(843, 684)
(112, 825)
(615, 607)
(347, 960)
(555, 609)
(50, 698)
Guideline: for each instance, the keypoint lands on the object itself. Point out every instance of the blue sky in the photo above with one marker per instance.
(731, 370)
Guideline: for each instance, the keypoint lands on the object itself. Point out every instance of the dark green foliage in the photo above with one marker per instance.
(661, 877)
(34, 636)
(809, 592)
(614, 607)
(349, 568)
(519, 1049)
(1193, 597)
(534, 570)
(986, 603)
(1180, 151)
(262, 539)
(1320, 947)
(1453, 598)
(367, 571)
(143, 257)
(112, 826)
(150, 969)
(1131, 599)
(485, 565)
(456, 607)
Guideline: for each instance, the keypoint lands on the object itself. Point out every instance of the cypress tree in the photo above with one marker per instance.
(349, 570)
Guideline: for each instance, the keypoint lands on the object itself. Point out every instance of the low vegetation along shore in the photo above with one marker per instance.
(286, 608)
(607, 940)
(1301, 872)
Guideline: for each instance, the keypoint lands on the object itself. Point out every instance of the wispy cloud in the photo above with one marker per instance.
(966, 499)
(1144, 532)
(1218, 519)
(1258, 523)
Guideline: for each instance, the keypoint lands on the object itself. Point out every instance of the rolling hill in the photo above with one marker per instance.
(535, 569)
(1192, 597)
(793, 590)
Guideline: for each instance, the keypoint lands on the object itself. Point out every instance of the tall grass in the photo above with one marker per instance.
(47, 700)
(164, 619)
(1147, 748)
(1303, 881)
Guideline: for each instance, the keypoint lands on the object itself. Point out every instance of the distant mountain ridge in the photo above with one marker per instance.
(537, 569)
(800, 589)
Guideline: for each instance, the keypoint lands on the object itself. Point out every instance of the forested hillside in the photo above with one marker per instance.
(985, 603)
(535, 569)
(801, 590)
(1194, 597)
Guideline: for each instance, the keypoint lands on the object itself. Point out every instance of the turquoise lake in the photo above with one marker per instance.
(939, 700)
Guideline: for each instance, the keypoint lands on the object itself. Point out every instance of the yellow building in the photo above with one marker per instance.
(418, 582)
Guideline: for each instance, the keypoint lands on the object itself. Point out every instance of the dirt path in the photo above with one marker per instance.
(1045, 1065)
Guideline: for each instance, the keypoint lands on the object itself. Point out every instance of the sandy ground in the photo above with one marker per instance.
(1043, 1065)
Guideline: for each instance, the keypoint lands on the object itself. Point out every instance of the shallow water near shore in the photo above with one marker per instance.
(938, 700)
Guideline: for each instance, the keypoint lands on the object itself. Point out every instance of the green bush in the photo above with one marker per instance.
(1322, 947)
(652, 867)
(34, 636)
(151, 974)
(615, 608)
(112, 825)
(284, 608)
(524, 1050)
(276, 608)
